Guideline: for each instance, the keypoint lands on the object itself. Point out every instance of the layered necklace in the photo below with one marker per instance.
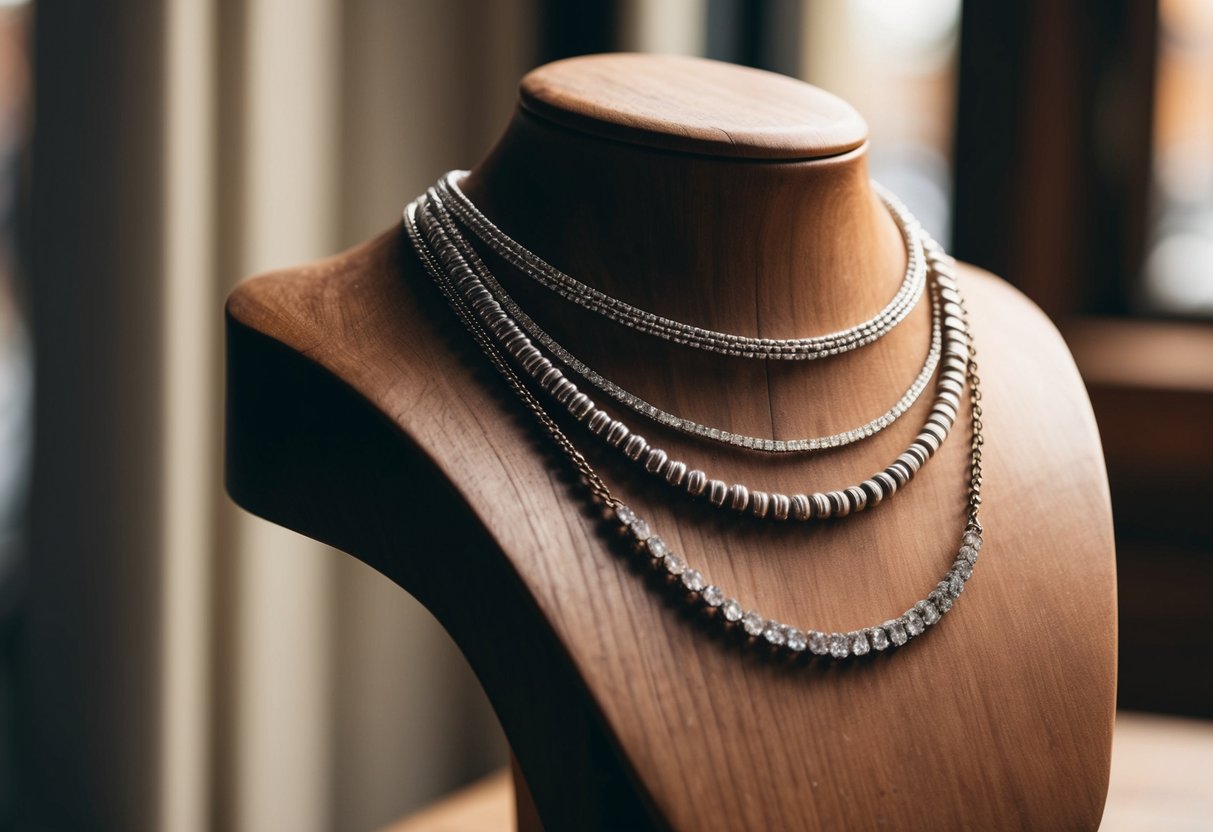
(440, 225)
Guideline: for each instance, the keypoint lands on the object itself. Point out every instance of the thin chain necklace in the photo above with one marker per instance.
(437, 201)
(791, 349)
(711, 598)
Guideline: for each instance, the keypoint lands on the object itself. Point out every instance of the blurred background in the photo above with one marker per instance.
(167, 662)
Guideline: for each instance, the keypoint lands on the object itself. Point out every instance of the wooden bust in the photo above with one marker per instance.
(361, 413)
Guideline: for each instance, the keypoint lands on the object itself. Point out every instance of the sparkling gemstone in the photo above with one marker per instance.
(796, 640)
(713, 595)
(956, 585)
(674, 564)
(818, 643)
(839, 648)
(928, 612)
(692, 580)
(859, 643)
(732, 610)
(775, 632)
(913, 623)
(657, 547)
(968, 553)
(641, 529)
(879, 638)
(941, 599)
(972, 539)
(625, 515)
(964, 568)
(754, 623)
(897, 633)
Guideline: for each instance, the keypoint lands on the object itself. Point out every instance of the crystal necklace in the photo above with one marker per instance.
(712, 599)
(794, 349)
(458, 258)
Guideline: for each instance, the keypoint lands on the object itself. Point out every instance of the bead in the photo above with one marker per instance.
(822, 508)
(580, 405)
(838, 503)
(857, 497)
(801, 507)
(887, 482)
(738, 497)
(780, 504)
(550, 376)
(616, 432)
(697, 481)
(760, 503)
(874, 491)
(675, 472)
(635, 446)
(598, 421)
(654, 460)
(563, 390)
(716, 492)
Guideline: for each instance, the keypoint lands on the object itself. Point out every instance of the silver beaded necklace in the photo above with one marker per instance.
(442, 263)
(738, 497)
(438, 201)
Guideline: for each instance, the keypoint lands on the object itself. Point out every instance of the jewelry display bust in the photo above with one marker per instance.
(362, 413)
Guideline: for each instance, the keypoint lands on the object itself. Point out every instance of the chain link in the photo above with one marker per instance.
(977, 438)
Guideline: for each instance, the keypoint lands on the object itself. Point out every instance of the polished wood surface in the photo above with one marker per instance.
(360, 413)
(1162, 778)
(693, 106)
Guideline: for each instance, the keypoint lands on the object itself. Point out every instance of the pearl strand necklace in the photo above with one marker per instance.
(711, 598)
(738, 497)
(437, 201)
(792, 349)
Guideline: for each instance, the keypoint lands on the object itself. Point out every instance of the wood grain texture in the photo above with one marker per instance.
(361, 414)
(693, 105)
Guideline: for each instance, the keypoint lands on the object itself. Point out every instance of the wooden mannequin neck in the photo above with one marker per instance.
(772, 233)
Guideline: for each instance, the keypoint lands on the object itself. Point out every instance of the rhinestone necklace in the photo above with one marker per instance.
(438, 204)
(802, 349)
(712, 599)
(738, 497)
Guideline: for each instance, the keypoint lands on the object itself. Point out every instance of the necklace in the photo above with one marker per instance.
(695, 482)
(802, 349)
(713, 600)
(438, 202)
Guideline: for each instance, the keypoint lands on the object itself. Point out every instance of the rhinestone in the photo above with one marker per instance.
(674, 564)
(956, 585)
(839, 648)
(913, 623)
(880, 639)
(969, 553)
(859, 643)
(774, 633)
(897, 633)
(972, 539)
(941, 599)
(625, 515)
(732, 610)
(796, 640)
(641, 529)
(692, 580)
(818, 643)
(963, 568)
(713, 595)
(928, 612)
(657, 547)
(754, 623)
